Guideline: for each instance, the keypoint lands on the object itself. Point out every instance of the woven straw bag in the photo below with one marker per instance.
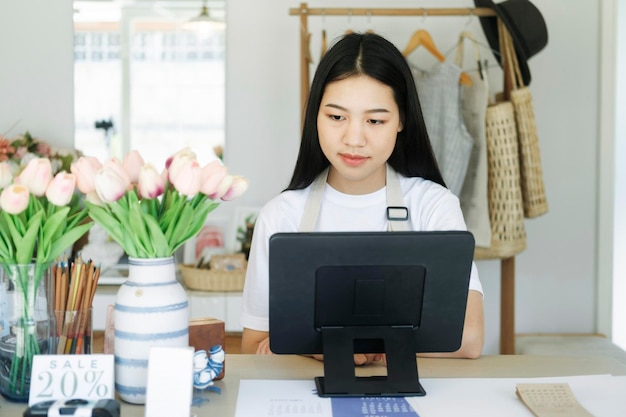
(506, 211)
(506, 214)
(533, 191)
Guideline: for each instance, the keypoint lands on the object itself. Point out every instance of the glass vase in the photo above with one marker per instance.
(151, 309)
(25, 323)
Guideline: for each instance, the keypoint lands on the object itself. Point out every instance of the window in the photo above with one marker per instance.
(142, 82)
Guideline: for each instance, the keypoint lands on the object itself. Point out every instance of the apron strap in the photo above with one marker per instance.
(313, 203)
(397, 213)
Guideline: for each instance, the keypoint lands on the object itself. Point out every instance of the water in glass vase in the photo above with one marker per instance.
(25, 324)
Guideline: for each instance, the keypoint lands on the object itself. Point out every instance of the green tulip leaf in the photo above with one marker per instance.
(160, 243)
(55, 224)
(140, 232)
(183, 222)
(66, 240)
(26, 245)
(6, 248)
(110, 224)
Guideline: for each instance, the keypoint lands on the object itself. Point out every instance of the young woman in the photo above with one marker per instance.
(363, 135)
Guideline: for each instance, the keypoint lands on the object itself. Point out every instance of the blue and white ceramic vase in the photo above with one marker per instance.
(151, 309)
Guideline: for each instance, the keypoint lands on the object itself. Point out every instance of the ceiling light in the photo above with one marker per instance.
(204, 22)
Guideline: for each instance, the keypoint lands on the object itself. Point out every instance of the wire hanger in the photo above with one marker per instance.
(481, 66)
(459, 51)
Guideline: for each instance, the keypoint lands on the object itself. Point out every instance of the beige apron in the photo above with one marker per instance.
(397, 212)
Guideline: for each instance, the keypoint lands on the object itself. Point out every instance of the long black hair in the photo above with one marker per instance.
(372, 55)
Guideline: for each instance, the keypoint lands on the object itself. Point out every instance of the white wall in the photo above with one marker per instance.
(556, 278)
(619, 262)
(556, 275)
(37, 70)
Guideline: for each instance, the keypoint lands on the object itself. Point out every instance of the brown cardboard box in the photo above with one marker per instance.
(206, 332)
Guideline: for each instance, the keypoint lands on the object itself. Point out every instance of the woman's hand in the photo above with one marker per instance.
(251, 341)
(264, 347)
(367, 358)
(359, 358)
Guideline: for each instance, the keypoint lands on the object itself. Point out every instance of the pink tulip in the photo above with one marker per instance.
(237, 188)
(132, 165)
(186, 178)
(36, 176)
(165, 175)
(115, 165)
(61, 189)
(222, 188)
(151, 183)
(6, 176)
(93, 198)
(185, 152)
(14, 198)
(85, 169)
(180, 158)
(111, 182)
(212, 176)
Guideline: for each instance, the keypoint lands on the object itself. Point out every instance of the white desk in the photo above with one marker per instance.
(295, 367)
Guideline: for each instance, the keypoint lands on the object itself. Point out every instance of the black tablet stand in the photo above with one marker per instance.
(339, 378)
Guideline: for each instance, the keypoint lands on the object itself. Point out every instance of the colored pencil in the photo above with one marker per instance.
(75, 285)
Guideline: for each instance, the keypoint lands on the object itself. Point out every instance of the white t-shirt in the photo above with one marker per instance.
(431, 207)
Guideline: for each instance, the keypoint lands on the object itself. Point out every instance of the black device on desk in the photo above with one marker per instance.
(75, 407)
(340, 293)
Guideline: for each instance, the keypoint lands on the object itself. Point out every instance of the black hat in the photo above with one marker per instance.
(525, 24)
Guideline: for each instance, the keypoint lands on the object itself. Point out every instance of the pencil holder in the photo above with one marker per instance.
(74, 334)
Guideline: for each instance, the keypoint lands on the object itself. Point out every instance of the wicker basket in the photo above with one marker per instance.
(506, 213)
(211, 280)
(531, 176)
(533, 190)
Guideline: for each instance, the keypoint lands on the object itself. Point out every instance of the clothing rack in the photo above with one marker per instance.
(507, 265)
(304, 11)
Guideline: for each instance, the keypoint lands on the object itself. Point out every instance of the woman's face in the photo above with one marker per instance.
(357, 123)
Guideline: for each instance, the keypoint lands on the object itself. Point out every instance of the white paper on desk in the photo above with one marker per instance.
(601, 395)
(265, 398)
(261, 398)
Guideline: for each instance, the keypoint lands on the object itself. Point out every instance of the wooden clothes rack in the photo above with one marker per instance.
(507, 265)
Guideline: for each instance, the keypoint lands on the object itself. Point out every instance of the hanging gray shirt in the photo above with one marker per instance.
(440, 97)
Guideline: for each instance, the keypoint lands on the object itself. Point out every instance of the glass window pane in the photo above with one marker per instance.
(177, 91)
(176, 85)
(97, 87)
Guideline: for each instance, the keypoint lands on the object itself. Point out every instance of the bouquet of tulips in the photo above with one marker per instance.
(151, 213)
(40, 217)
